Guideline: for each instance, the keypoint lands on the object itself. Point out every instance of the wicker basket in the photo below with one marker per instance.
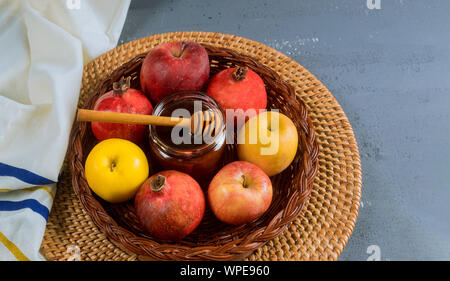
(212, 240)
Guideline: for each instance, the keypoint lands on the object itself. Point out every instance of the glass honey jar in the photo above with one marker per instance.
(175, 148)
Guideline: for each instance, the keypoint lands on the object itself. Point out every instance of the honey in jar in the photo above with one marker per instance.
(174, 148)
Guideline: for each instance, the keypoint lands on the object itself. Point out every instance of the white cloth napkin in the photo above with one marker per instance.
(44, 46)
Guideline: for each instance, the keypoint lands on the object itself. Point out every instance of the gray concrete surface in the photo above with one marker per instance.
(389, 69)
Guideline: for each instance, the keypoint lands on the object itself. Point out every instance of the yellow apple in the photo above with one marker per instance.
(268, 140)
(115, 169)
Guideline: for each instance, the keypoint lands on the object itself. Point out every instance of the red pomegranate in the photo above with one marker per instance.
(174, 67)
(170, 205)
(126, 100)
(238, 88)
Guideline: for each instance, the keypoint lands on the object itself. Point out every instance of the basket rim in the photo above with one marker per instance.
(106, 224)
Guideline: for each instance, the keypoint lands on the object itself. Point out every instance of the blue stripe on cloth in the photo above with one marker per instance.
(28, 203)
(23, 175)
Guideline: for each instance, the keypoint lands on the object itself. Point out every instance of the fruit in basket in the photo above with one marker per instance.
(173, 67)
(126, 100)
(115, 169)
(239, 193)
(268, 140)
(170, 205)
(239, 89)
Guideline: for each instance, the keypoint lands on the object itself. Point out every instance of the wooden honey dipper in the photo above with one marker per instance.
(201, 122)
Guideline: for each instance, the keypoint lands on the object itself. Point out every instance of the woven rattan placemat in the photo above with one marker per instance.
(327, 221)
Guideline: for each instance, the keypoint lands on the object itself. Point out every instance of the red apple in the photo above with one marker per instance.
(126, 100)
(239, 193)
(173, 67)
(239, 89)
(170, 205)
